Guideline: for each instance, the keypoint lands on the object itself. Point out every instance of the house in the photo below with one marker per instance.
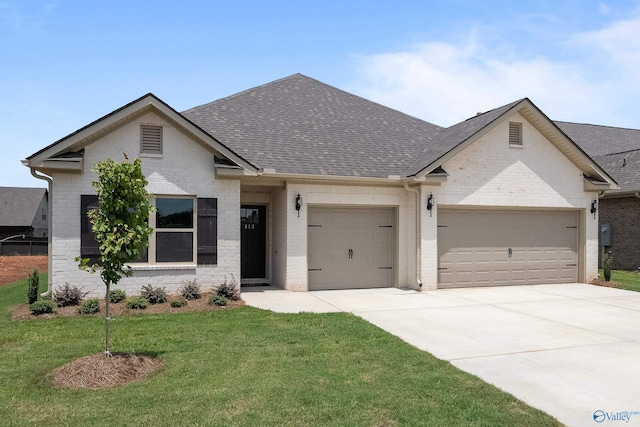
(23, 211)
(617, 150)
(304, 186)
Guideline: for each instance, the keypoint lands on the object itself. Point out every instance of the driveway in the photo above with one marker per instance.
(572, 350)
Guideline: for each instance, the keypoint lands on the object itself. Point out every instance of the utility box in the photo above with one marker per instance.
(605, 236)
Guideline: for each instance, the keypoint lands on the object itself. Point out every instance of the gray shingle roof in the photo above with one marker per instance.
(624, 168)
(611, 148)
(598, 140)
(18, 206)
(299, 125)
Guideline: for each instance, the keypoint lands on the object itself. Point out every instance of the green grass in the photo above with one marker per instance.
(628, 280)
(243, 367)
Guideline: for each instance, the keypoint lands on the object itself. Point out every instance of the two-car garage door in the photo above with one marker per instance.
(351, 247)
(488, 248)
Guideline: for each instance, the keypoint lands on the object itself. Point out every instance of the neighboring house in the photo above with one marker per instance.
(617, 150)
(23, 211)
(305, 186)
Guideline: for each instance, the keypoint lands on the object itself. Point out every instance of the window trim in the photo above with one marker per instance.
(152, 252)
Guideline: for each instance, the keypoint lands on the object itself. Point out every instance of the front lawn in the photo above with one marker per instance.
(243, 367)
(628, 280)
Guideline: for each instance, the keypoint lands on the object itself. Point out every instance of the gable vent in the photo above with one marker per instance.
(515, 133)
(150, 139)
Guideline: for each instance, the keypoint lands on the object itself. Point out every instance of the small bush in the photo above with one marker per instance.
(216, 299)
(117, 295)
(41, 307)
(34, 285)
(229, 290)
(137, 303)
(68, 295)
(90, 306)
(190, 289)
(607, 263)
(176, 303)
(154, 295)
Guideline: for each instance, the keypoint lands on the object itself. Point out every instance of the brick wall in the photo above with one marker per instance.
(186, 168)
(623, 214)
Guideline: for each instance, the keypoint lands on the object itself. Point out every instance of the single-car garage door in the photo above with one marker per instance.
(488, 248)
(351, 247)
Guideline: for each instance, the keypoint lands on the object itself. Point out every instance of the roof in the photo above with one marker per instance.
(616, 149)
(599, 140)
(299, 125)
(18, 206)
(624, 168)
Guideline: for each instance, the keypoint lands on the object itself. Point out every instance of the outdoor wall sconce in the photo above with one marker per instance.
(430, 203)
(298, 203)
(594, 207)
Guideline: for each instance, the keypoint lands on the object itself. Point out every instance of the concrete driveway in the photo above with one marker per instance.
(572, 350)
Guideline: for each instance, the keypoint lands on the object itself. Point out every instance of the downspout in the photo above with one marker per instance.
(50, 231)
(418, 235)
(637, 194)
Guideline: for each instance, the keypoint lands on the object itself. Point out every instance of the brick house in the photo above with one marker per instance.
(304, 186)
(617, 150)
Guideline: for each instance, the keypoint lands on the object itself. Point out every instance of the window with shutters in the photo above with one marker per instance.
(515, 134)
(185, 231)
(151, 139)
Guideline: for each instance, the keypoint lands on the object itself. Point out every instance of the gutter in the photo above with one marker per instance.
(418, 235)
(47, 294)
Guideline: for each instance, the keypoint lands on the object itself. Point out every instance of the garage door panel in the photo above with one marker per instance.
(352, 248)
(474, 245)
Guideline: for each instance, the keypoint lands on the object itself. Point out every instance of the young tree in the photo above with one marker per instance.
(120, 225)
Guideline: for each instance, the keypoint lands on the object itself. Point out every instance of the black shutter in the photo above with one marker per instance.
(89, 247)
(207, 231)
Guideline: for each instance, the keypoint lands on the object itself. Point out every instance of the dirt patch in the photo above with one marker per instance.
(22, 312)
(14, 268)
(611, 284)
(99, 371)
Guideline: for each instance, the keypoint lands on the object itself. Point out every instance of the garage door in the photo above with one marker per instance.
(351, 248)
(488, 248)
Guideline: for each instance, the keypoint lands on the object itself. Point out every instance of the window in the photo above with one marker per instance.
(44, 213)
(515, 134)
(185, 231)
(151, 139)
(174, 230)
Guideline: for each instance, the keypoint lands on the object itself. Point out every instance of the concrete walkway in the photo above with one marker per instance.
(572, 350)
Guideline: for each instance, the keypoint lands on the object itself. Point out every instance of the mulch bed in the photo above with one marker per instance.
(99, 371)
(22, 312)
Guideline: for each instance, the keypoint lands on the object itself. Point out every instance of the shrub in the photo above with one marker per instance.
(34, 285)
(607, 262)
(176, 303)
(41, 307)
(137, 303)
(216, 299)
(229, 290)
(90, 306)
(154, 295)
(117, 295)
(68, 295)
(190, 289)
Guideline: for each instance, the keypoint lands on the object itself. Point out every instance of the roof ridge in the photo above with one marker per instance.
(488, 111)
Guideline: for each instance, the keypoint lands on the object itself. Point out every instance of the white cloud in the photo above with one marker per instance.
(445, 83)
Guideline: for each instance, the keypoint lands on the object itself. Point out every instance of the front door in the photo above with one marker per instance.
(253, 227)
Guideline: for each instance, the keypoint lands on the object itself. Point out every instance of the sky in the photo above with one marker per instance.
(66, 63)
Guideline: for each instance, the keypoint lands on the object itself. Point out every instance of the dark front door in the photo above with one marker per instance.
(253, 227)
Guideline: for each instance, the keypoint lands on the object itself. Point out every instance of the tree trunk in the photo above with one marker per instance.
(107, 353)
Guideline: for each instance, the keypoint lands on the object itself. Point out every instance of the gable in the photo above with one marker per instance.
(67, 154)
(492, 171)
